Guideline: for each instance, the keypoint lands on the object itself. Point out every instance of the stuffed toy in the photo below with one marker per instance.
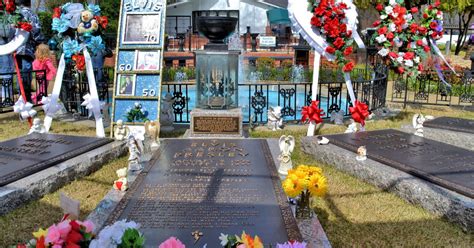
(88, 24)
(121, 183)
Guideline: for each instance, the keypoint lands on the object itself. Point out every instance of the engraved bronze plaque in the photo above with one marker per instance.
(446, 165)
(216, 124)
(214, 186)
(453, 124)
(29, 154)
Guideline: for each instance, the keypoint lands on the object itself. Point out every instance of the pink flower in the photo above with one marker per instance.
(53, 236)
(64, 228)
(57, 246)
(172, 243)
(88, 225)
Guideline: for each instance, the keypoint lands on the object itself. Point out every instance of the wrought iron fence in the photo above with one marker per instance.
(255, 98)
(35, 89)
(428, 88)
(75, 86)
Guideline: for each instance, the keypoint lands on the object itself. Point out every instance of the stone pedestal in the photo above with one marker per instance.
(216, 123)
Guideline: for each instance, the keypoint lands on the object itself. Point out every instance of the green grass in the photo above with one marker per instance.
(355, 213)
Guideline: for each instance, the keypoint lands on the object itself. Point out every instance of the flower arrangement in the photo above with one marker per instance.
(243, 241)
(330, 20)
(77, 28)
(67, 233)
(137, 113)
(433, 21)
(10, 16)
(119, 234)
(305, 179)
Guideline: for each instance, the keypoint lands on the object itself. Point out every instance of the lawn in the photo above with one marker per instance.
(353, 213)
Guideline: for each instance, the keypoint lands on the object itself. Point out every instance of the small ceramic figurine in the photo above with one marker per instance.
(37, 127)
(121, 183)
(275, 120)
(287, 145)
(135, 153)
(323, 140)
(338, 117)
(167, 112)
(152, 133)
(418, 120)
(352, 128)
(121, 132)
(88, 23)
(361, 153)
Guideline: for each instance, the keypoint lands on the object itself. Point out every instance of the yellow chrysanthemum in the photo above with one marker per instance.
(40, 233)
(291, 188)
(317, 185)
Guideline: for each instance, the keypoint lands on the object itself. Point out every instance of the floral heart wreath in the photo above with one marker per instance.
(10, 15)
(73, 33)
(404, 43)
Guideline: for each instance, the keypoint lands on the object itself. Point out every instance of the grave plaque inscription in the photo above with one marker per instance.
(213, 186)
(446, 165)
(453, 124)
(29, 154)
(216, 124)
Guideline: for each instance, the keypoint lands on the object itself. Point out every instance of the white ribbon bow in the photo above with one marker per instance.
(50, 108)
(93, 105)
(24, 109)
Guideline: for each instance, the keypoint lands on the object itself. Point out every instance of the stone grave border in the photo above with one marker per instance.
(35, 186)
(455, 207)
(459, 139)
(109, 208)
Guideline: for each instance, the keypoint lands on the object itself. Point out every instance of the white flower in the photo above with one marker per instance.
(395, 15)
(381, 38)
(409, 63)
(440, 16)
(425, 42)
(383, 52)
(383, 17)
(393, 2)
(408, 17)
(389, 10)
(224, 238)
(405, 25)
(392, 27)
(398, 42)
(417, 59)
(413, 44)
(400, 59)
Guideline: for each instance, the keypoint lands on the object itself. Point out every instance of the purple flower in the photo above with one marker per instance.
(439, 27)
(295, 244)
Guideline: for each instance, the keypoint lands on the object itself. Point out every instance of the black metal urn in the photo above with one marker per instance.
(216, 28)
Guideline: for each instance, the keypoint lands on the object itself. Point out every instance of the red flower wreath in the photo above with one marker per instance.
(329, 18)
(10, 15)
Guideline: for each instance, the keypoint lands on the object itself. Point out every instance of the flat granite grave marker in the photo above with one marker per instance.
(453, 124)
(29, 154)
(209, 186)
(446, 165)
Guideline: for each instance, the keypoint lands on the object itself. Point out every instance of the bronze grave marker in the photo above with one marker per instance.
(216, 124)
(446, 165)
(29, 154)
(453, 124)
(201, 188)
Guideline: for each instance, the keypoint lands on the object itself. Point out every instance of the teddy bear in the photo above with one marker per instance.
(88, 23)
(121, 183)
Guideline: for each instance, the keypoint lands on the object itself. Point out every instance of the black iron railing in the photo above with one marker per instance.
(35, 85)
(370, 86)
(427, 88)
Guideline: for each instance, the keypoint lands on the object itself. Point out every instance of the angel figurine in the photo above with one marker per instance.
(338, 117)
(361, 153)
(275, 120)
(121, 132)
(37, 127)
(418, 120)
(152, 133)
(287, 145)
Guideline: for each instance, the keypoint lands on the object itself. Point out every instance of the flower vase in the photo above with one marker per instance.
(303, 208)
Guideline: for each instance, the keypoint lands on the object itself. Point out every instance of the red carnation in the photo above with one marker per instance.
(409, 55)
(73, 237)
(338, 43)
(434, 35)
(10, 6)
(390, 36)
(319, 11)
(420, 67)
(315, 21)
(419, 43)
(343, 28)
(426, 48)
(379, 7)
(348, 67)
(80, 62)
(57, 12)
(349, 33)
(437, 3)
(400, 70)
(376, 23)
(422, 30)
(413, 27)
(330, 49)
(433, 25)
(393, 55)
(414, 10)
(382, 30)
(25, 26)
(425, 15)
(348, 51)
(343, 5)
